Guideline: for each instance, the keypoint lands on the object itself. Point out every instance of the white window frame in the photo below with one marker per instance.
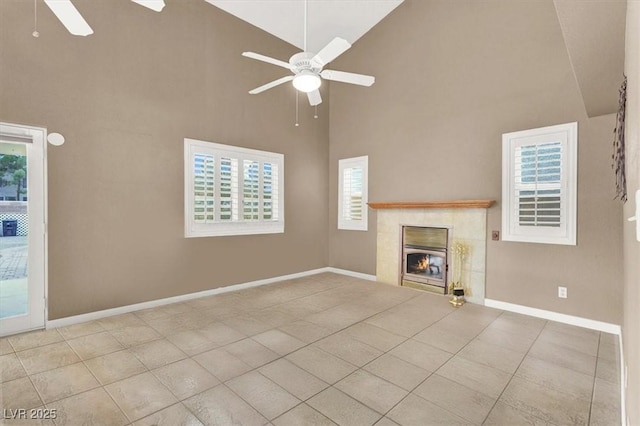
(239, 226)
(567, 136)
(345, 222)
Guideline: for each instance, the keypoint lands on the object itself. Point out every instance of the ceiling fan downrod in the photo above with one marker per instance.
(304, 30)
(307, 68)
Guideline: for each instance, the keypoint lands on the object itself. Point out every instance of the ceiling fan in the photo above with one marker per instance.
(73, 21)
(308, 70)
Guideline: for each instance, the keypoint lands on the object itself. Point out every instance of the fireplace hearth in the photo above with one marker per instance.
(424, 258)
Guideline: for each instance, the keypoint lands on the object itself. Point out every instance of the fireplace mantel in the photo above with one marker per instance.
(455, 204)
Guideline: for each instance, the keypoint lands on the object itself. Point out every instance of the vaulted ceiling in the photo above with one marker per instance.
(349, 19)
(593, 32)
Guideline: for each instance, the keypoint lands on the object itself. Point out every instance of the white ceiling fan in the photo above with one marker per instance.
(73, 21)
(307, 68)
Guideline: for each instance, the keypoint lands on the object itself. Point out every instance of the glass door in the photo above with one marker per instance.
(22, 236)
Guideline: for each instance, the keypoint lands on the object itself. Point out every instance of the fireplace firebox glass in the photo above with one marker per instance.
(428, 265)
(424, 258)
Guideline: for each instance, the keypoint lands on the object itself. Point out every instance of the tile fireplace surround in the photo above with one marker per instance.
(467, 224)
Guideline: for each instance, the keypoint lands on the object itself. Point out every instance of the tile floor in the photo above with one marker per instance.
(321, 350)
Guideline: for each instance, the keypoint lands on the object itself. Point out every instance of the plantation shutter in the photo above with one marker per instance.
(538, 189)
(228, 189)
(203, 188)
(539, 184)
(270, 193)
(232, 191)
(352, 193)
(259, 200)
(251, 190)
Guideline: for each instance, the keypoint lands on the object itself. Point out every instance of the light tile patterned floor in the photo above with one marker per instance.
(321, 350)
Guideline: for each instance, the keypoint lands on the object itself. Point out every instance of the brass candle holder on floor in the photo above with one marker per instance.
(459, 251)
(458, 297)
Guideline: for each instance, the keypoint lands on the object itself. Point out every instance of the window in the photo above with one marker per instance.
(352, 193)
(539, 181)
(232, 191)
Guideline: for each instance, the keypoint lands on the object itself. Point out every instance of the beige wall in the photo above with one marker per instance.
(451, 77)
(631, 325)
(125, 97)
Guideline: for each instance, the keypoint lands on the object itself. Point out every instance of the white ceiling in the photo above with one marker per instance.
(327, 19)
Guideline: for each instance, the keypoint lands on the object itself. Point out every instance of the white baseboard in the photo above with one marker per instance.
(91, 316)
(555, 316)
(580, 322)
(351, 273)
(623, 388)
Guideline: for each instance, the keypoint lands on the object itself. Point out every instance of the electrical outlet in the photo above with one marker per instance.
(495, 235)
(562, 292)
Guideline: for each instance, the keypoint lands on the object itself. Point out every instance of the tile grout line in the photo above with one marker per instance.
(305, 346)
(101, 386)
(593, 387)
(548, 387)
(514, 374)
(543, 386)
(148, 370)
(44, 404)
(330, 385)
(275, 326)
(256, 369)
(28, 376)
(384, 353)
(434, 372)
(250, 337)
(311, 343)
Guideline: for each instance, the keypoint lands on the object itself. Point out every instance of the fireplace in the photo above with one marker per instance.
(465, 221)
(424, 258)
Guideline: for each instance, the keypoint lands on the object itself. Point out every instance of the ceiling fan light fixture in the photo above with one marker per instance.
(306, 81)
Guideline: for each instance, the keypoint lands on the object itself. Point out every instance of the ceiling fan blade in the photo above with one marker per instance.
(69, 16)
(156, 5)
(348, 77)
(314, 98)
(267, 59)
(335, 48)
(270, 85)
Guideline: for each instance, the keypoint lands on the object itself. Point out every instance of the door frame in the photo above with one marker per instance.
(35, 140)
